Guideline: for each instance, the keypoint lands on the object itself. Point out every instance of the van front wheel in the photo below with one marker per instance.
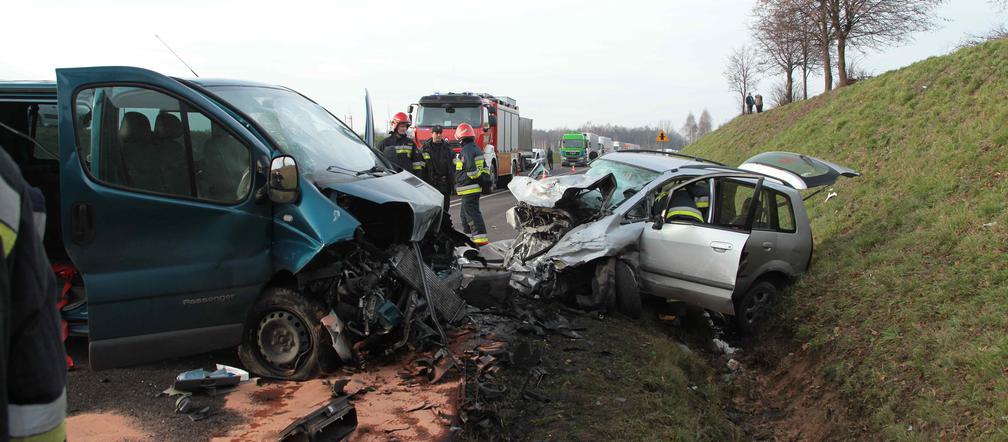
(283, 336)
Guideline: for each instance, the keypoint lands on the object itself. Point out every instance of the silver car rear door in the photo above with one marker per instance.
(697, 262)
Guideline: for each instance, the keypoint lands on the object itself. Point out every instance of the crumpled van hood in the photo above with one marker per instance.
(402, 188)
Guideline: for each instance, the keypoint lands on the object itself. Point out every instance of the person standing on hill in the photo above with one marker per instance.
(749, 102)
(759, 103)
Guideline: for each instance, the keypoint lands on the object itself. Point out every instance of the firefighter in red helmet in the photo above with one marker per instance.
(399, 148)
(470, 171)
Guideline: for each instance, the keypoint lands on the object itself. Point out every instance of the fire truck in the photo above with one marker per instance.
(500, 131)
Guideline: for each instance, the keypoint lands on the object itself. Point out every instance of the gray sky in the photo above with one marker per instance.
(566, 62)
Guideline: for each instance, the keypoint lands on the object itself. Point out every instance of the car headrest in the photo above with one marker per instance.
(167, 127)
(699, 188)
(135, 127)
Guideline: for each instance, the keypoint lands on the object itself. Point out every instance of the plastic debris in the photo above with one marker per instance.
(202, 380)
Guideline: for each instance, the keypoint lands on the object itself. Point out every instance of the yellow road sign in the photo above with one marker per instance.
(662, 138)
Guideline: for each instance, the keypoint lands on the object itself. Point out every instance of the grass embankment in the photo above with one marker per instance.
(906, 307)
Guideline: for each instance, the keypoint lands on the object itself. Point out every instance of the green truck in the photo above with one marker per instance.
(574, 149)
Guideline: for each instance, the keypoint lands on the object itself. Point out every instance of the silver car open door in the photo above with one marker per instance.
(797, 170)
(697, 262)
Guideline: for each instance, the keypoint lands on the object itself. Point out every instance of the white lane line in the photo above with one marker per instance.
(457, 202)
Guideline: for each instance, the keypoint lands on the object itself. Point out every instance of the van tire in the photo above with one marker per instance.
(278, 317)
(628, 299)
(751, 309)
(492, 185)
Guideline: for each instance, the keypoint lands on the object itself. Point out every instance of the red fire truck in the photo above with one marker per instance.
(500, 131)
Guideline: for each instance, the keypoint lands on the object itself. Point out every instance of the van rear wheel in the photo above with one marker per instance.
(283, 336)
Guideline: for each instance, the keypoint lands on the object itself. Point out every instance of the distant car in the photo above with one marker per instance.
(726, 239)
(529, 158)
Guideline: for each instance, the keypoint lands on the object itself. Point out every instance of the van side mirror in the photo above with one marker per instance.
(283, 180)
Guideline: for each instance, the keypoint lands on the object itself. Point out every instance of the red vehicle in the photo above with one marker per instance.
(500, 131)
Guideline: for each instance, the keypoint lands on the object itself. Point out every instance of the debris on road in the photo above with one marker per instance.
(333, 422)
(201, 380)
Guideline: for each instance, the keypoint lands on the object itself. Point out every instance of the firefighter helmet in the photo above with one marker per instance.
(398, 119)
(464, 130)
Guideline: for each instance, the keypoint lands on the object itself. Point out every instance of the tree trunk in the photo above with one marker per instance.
(743, 103)
(789, 86)
(827, 68)
(804, 79)
(842, 60)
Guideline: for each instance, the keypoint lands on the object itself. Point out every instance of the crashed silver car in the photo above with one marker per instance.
(664, 224)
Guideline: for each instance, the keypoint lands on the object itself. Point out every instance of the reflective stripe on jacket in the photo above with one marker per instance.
(468, 169)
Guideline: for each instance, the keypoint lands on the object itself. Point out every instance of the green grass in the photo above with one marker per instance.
(911, 260)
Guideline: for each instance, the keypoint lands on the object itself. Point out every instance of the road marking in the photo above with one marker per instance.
(458, 201)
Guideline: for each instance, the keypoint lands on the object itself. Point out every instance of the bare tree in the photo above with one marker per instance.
(780, 95)
(876, 23)
(779, 38)
(704, 125)
(690, 129)
(812, 20)
(742, 72)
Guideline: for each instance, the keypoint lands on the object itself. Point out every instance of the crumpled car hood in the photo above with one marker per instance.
(402, 188)
(559, 191)
(551, 239)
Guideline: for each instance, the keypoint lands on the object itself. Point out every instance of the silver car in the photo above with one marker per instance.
(669, 225)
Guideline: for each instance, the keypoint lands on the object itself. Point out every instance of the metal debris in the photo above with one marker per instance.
(332, 422)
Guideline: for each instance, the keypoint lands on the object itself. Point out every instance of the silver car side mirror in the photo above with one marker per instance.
(283, 180)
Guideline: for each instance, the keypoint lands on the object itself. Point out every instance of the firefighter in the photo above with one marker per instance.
(682, 208)
(32, 357)
(440, 164)
(469, 171)
(398, 147)
(701, 196)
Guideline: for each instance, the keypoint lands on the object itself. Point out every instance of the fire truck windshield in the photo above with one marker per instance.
(449, 117)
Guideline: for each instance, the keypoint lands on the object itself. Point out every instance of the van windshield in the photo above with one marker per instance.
(302, 129)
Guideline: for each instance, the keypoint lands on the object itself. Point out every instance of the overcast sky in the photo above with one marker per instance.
(566, 62)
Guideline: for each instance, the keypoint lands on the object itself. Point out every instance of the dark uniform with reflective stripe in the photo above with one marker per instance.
(469, 168)
(400, 150)
(441, 167)
(682, 207)
(32, 357)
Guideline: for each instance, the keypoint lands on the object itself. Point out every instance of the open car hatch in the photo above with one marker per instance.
(797, 170)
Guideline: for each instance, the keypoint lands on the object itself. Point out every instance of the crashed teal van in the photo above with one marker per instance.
(203, 214)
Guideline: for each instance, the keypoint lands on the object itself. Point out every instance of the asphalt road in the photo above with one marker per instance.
(133, 392)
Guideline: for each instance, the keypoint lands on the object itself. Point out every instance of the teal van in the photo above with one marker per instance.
(203, 214)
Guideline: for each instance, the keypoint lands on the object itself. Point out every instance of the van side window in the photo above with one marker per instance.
(146, 140)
